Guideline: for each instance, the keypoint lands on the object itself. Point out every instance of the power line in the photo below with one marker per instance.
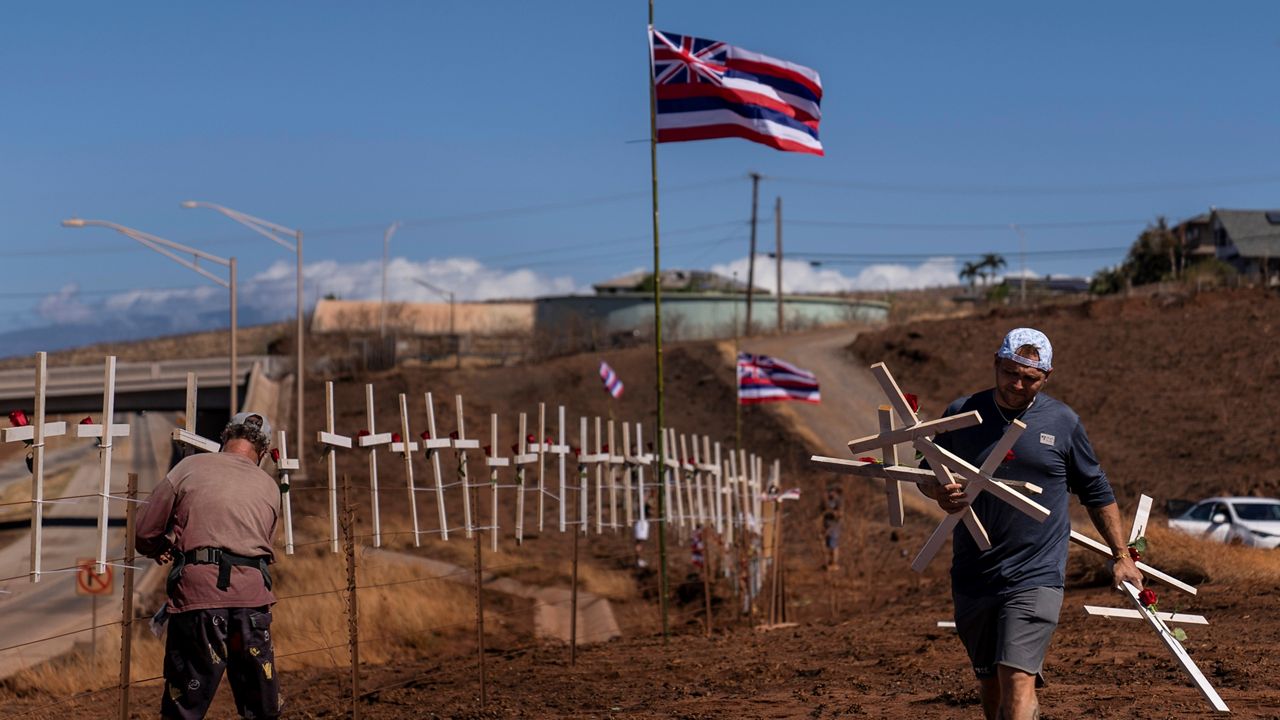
(1051, 225)
(1099, 189)
(1073, 252)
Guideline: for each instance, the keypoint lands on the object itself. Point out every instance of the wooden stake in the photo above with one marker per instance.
(331, 441)
(460, 446)
(126, 602)
(372, 441)
(523, 457)
(628, 502)
(494, 462)
(542, 447)
(562, 449)
(353, 616)
(186, 435)
(573, 607)
(615, 460)
(601, 458)
(104, 432)
(479, 582)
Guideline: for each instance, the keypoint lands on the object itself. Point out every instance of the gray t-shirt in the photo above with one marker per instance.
(1054, 453)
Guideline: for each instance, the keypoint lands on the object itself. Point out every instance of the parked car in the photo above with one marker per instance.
(1236, 520)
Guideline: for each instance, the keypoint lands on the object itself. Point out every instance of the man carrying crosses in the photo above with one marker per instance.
(214, 516)
(1007, 598)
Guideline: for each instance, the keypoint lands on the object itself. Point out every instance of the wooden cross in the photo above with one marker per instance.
(671, 478)
(331, 441)
(433, 443)
(371, 439)
(284, 464)
(522, 458)
(716, 468)
(635, 468)
(542, 447)
(34, 434)
(978, 480)
(690, 471)
(104, 433)
(494, 461)
(561, 448)
(615, 462)
(460, 446)
(1179, 652)
(599, 459)
(407, 447)
(698, 469)
(1137, 530)
(730, 493)
(585, 460)
(186, 435)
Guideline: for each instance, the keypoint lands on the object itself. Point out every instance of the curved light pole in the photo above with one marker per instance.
(457, 350)
(272, 232)
(386, 249)
(171, 250)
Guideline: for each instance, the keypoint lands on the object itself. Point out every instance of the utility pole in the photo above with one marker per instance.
(386, 249)
(777, 226)
(751, 262)
(1022, 252)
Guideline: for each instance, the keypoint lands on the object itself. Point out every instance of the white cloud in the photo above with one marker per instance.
(270, 294)
(798, 276)
(64, 307)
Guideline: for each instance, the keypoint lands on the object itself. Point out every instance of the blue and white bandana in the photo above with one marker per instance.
(1018, 337)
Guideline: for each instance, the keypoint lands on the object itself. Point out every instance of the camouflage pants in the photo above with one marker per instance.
(202, 644)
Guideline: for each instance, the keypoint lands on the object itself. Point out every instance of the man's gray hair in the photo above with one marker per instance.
(248, 430)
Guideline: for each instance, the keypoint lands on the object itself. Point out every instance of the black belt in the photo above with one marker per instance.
(224, 559)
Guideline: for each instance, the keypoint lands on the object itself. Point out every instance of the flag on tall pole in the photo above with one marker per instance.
(612, 384)
(763, 379)
(707, 89)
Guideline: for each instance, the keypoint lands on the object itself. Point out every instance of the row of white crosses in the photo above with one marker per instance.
(947, 468)
(35, 433)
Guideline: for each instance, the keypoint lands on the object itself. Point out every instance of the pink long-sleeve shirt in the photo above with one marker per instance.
(218, 500)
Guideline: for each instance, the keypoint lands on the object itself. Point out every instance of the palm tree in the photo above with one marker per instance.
(995, 261)
(970, 272)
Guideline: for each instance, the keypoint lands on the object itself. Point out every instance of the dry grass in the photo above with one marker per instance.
(19, 491)
(1190, 558)
(406, 617)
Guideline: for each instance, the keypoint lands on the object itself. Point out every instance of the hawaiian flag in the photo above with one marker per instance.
(612, 384)
(706, 89)
(763, 379)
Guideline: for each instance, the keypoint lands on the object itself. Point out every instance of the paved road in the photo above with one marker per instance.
(32, 611)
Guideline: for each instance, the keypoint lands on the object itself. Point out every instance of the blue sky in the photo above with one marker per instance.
(340, 118)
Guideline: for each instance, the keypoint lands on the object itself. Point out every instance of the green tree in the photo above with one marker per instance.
(992, 261)
(970, 272)
(1152, 258)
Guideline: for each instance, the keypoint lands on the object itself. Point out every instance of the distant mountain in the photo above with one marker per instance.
(51, 338)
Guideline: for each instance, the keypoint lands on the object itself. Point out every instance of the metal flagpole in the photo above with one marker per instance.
(657, 325)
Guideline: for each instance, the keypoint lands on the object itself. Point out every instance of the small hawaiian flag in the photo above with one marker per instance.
(612, 384)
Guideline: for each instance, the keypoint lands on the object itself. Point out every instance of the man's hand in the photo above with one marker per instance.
(1125, 569)
(164, 557)
(951, 498)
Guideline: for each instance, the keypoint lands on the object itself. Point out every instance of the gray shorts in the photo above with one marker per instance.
(1012, 630)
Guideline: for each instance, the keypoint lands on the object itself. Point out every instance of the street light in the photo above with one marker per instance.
(168, 248)
(269, 230)
(386, 248)
(457, 350)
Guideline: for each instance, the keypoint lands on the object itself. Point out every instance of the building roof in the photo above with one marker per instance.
(1255, 233)
(675, 281)
(478, 318)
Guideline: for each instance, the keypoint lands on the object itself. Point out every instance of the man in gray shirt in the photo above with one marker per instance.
(214, 517)
(1007, 598)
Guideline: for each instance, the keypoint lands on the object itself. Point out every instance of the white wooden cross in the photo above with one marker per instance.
(34, 434)
(978, 480)
(186, 435)
(403, 443)
(371, 439)
(599, 458)
(104, 433)
(585, 460)
(460, 446)
(1137, 530)
(731, 504)
(717, 477)
(616, 462)
(494, 461)
(690, 471)
(284, 464)
(1179, 652)
(561, 448)
(634, 469)
(523, 457)
(542, 447)
(671, 478)
(433, 443)
(331, 441)
(698, 474)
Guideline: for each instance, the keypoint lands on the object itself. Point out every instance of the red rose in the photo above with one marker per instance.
(576, 451)
(453, 435)
(395, 437)
(363, 433)
(548, 440)
(530, 439)
(487, 450)
(605, 449)
(1009, 456)
(515, 448)
(1134, 554)
(86, 420)
(17, 418)
(425, 435)
(1147, 597)
(868, 459)
(913, 401)
(275, 455)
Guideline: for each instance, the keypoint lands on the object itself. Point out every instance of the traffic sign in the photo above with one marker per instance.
(89, 582)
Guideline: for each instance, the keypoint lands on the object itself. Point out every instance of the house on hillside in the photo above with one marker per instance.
(695, 281)
(1248, 240)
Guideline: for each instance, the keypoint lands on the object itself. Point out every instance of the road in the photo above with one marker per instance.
(850, 396)
(32, 611)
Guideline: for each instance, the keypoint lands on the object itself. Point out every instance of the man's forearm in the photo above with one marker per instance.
(1106, 518)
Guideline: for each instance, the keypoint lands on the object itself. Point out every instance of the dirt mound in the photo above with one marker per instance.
(1178, 392)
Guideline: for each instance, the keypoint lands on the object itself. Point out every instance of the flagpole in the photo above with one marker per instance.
(657, 332)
